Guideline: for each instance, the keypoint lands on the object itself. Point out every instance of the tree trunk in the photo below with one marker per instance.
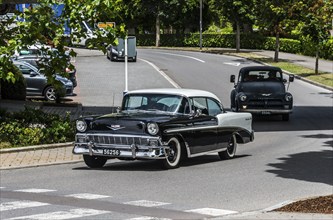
(277, 47)
(158, 33)
(317, 61)
(237, 37)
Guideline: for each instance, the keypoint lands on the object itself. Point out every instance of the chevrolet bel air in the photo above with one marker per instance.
(163, 124)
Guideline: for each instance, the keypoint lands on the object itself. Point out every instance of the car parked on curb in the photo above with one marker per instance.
(37, 84)
(261, 90)
(162, 124)
(117, 52)
(34, 54)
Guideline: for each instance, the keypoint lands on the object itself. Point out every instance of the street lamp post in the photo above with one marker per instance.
(200, 41)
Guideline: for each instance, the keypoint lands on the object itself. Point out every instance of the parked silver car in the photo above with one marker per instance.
(37, 84)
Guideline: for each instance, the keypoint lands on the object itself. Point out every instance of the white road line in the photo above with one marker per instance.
(1, 187)
(35, 190)
(212, 212)
(73, 213)
(87, 196)
(149, 218)
(146, 203)
(232, 64)
(20, 205)
(163, 74)
(179, 55)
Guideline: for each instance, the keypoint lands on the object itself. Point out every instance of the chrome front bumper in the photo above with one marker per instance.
(120, 146)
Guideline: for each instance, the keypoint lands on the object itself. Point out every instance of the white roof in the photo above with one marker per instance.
(175, 91)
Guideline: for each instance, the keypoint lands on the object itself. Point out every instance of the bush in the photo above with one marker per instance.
(33, 127)
(16, 90)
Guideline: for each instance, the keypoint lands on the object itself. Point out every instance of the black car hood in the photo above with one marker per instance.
(127, 123)
(262, 87)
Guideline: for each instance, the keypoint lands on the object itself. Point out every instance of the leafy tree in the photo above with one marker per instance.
(39, 24)
(238, 12)
(317, 18)
(274, 15)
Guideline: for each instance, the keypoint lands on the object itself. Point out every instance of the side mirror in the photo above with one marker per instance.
(291, 78)
(232, 78)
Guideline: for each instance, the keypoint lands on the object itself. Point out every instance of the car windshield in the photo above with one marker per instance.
(155, 103)
(262, 75)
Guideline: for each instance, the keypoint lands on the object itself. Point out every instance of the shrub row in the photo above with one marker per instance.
(248, 41)
(33, 127)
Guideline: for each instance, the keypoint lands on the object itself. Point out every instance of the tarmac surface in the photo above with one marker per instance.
(43, 155)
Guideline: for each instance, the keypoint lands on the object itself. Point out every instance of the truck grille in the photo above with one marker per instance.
(265, 104)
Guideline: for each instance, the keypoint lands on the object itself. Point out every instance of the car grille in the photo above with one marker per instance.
(265, 104)
(118, 140)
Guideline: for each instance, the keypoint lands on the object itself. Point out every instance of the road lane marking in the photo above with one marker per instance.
(60, 215)
(233, 64)
(212, 212)
(149, 218)
(20, 205)
(87, 196)
(146, 203)
(163, 74)
(35, 190)
(179, 55)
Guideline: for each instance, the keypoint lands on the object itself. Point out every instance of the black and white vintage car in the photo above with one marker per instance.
(164, 124)
(261, 90)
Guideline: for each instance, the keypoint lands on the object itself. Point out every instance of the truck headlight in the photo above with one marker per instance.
(152, 128)
(242, 97)
(288, 97)
(81, 125)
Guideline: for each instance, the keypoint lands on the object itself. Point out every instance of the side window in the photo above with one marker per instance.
(199, 103)
(25, 70)
(213, 107)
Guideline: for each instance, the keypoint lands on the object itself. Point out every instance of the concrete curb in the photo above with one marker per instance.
(41, 165)
(36, 147)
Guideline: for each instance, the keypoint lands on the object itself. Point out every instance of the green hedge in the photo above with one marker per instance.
(248, 41)
(34, 127)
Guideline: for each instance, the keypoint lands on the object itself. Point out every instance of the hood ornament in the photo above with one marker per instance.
(266, 94)
(115, 127)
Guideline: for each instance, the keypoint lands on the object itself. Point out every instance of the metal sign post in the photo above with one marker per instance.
(126, 69)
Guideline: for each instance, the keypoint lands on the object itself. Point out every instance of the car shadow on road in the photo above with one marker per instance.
(155, 165)
(313, 166)
(303, 118)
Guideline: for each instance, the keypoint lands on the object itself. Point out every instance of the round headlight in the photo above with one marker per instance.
(81, 126)
(243, 98)
(288, 97)
(152, 128)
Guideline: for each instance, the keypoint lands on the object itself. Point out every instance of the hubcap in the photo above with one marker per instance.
(50, 94)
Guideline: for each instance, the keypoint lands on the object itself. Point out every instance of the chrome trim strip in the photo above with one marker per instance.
(204, 153)
(194, 128)
(273, 111)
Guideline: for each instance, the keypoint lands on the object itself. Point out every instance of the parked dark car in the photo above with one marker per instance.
(162, 124)
(37, 84)
(33, 55)
(117, 52)
(261, 90)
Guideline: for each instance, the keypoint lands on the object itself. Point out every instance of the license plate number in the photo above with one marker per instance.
(265, 112)
(111, 152)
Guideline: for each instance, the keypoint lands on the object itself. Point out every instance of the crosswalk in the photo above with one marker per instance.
(15, 209)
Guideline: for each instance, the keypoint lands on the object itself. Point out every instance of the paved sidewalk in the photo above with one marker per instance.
(35, 156)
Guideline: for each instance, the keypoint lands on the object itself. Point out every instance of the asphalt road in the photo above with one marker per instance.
(287, 161)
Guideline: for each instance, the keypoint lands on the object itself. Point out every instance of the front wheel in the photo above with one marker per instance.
(173, 154)
(230, 152)
(50, 94)
(94, 161)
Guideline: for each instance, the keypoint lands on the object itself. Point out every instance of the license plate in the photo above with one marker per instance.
(111, 152)
(265, 112)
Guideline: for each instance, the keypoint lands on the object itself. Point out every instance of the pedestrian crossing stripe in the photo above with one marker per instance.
(35, 190)
(212, 212)
(20, 205)
(146, 203)
(87, 196)
(61, 215)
